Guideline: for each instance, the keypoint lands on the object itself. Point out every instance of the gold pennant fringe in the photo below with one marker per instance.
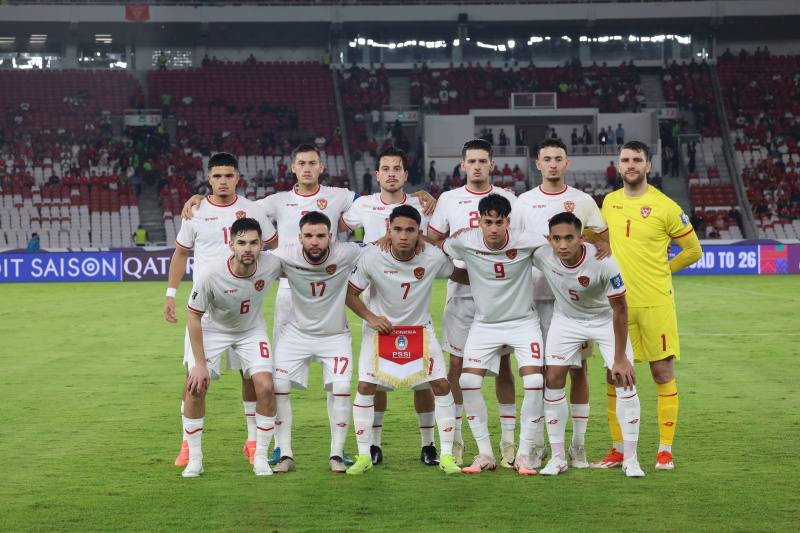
(394, 381)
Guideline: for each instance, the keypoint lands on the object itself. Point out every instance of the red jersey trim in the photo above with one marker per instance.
(341, 217)
(356, 287)
(508, 239)
(405, 197)
(401, 260)
(327, 256)
(553, 193)
(208, 199)
(182, 246)
(294, 190)
(453, 272)
(605, 230)
(228, 263)
(436, 230)
(479, 193)
(579, 263)
(685, 234)
(271, 238)
(196, 310)
(618, 295)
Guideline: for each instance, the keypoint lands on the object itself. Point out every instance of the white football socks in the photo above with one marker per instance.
(531, 412)
(475, 407)
(556, 413)
(363, 417)
(446, 420)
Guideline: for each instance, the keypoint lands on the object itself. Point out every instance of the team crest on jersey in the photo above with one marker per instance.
(330, 269)
(401, 342)
(419, 272)
(569, 207)
(511, 254)
(259, 285)
(241, 214)
(646, 211)
(584, 281)
(322, 203)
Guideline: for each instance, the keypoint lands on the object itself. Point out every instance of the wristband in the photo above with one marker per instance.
(171, 292)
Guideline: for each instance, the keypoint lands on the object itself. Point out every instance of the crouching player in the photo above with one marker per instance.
(400, 282)
(225, 312)
(590, 305)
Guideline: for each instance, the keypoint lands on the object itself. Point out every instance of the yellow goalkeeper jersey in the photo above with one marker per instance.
(640, 230)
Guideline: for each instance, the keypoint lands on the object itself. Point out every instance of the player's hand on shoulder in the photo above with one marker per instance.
(603, 249)
(169, 310)
(427, 202)
(459, 232)
(381, 324)
(509, 191)
(384, 243)
(194, 201)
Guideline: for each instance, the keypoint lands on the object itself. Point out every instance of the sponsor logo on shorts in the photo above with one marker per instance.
(684, 219)
(569, 207)
(259, 285)
(617, 282)
(208, 360)
(282, 371)
(453, 348)
(635, 420)
(584, 281)
(330, 269)
(401, 342)
(646, 210)
(419, 272)
(474, 360)
(559, 357)
(511, 254)
(240, 214)
(322, 203)
(370, 374)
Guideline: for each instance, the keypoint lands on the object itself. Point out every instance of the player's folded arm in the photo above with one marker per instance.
(691, 251)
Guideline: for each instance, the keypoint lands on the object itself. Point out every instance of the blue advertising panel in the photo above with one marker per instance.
(723, 260)
(89, 266)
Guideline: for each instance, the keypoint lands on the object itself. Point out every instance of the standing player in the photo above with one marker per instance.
(590, 306)
(499, 264)
(456, 210)
(400, 283)
(230, 294)
(372, 213)
(642, 221)
(317, 270)
(208, 234)
(532, 212)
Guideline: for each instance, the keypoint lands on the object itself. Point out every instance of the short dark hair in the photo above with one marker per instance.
(494, 203)
(566, 218)
(243, 225)
(405, 211)
(223, 159)
(315, 217)
(303, 148)
(477, 144)
(637, 146)
(391, 151)
(553, 143)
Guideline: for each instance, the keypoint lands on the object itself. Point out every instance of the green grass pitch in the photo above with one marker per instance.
(89, 428)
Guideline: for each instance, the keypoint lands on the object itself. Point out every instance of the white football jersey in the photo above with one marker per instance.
(372, 214)
(209, 230)
(401, 290)
(501, 280)
(318, 291)
(534, 209)
(286, 209)
(582, 291)
(233, 303)
(458, 209)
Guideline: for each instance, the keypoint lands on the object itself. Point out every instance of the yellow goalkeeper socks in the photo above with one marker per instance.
(667, 411)
(613, 423)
